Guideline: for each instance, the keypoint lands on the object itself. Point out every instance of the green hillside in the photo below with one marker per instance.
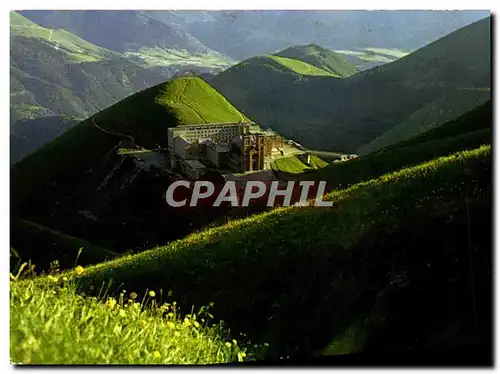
(428, 117)
(469, 131)
(341, 115)
(194, 101)
(301, 67)
(74, 48)
(320, 57)
(70, 329)
(349, 254)
(145, 116)
(294, 164)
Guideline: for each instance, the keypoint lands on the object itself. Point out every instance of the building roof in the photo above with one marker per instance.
(195, 164)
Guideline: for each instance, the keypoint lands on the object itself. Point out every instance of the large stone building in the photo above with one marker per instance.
(239, 147)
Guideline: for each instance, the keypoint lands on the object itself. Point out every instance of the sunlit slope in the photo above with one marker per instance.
(195, 101)
(320, 57)
(469, 131)
(300, 67)
(342, 115)
(75, 48)
(302, 278)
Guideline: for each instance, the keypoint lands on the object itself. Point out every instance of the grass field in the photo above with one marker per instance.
(51, 323)
(195, 101)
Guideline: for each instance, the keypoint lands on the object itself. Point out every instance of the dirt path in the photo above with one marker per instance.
(129, 137)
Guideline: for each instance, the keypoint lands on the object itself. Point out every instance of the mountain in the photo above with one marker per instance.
(116, 30)
(430, 116)
(235, 33)
(56, 75)
(320, 57)
(89, 183)
(328, 113)
(135, 34)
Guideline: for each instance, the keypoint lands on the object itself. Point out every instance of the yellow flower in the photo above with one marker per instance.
(156, 354)
(133, 295)
(65, 279)
(122, 313)
(152, 293)
(79, 270)
(53, 279)
(111, 303)
(228, 344)
(171, 324)
(235, 342)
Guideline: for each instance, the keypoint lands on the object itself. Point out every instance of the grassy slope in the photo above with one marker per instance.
(55, 325)
(322, 58)
(195, 101)
(294, 165)
(348, 254)
(466, 132)
(430, 116)
(41, 246)
(75, 48)
(145, 116)
(301, 67)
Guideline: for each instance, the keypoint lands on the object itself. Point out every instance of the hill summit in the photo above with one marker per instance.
(320, 57)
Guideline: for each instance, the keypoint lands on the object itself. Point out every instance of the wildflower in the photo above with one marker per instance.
(156, 355)
(65, 278)
(111, 303)
(235, 342)
(79, 270)
(53, 279)
(228, 344)
(122, 313)
(133, 295)
(171, 324)
(152, 293)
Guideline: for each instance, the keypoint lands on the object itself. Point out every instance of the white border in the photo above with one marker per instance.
(184, 4)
